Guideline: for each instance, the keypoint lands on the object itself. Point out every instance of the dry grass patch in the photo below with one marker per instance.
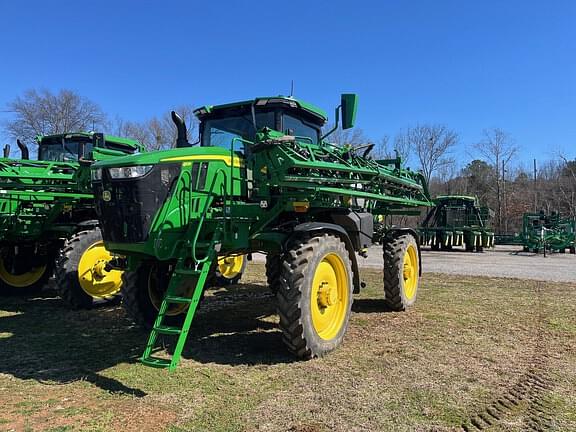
(466, 344)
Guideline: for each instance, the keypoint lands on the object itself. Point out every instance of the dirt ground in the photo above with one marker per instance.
(503, 261)
(475, 352)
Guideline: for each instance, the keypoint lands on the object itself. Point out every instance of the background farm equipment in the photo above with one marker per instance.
(457, 221)
(263, 179)
(48, 222)
(542, 232)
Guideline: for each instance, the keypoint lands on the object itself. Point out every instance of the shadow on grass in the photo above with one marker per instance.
(41, 339)
(237, 327)
(370, 306)
(46, 342)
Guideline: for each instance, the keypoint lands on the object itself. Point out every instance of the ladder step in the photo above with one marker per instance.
(177, 299)
(156, 362)
(187, 271)
(168, 330)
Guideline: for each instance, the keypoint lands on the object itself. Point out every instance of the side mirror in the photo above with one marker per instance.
(348, 103)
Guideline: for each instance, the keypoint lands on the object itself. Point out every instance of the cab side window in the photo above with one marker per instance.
(296, 127)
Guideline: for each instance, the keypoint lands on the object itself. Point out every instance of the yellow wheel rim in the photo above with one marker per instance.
(329, 296)
(410, 272)
(21, 280)
(94, 279)
(230, 266)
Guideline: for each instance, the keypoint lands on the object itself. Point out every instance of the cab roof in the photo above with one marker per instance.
(290, 102)
(112, 138)
(461, 197)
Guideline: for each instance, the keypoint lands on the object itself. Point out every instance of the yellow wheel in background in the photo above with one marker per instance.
(230, 267)
(25, 273)
(229, 270)
(21, 280)
(329, 296)
(82, 276)
(93, 277)
(401, 271)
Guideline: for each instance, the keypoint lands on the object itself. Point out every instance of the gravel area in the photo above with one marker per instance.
(503, 261)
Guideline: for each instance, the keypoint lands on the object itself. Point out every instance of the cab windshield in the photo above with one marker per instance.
(220, 132)
(60, 151)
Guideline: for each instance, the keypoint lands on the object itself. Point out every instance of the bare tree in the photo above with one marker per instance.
(382, 149)
(43, 113)
(498, 148)
(402, 147)
(431, 144)
(159, 133)
(354, 136)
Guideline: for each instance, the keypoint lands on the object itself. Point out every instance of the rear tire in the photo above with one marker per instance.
(401, 271)
(315, 295)
(80, 275)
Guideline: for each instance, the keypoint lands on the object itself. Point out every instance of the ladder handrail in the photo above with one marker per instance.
(207, 205)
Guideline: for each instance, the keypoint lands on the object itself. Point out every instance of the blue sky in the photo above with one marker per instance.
(468, 64)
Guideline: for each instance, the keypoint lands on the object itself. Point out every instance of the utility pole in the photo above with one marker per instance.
(504, 199)
(535, 191)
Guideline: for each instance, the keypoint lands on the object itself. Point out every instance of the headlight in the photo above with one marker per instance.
(96, 174)
(129, 172)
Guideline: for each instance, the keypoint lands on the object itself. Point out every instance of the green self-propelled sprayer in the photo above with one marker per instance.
(262, 179)
(48, 222)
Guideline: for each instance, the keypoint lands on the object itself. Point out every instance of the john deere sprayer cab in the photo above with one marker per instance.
(457, 220)
(262, 179)
(47, 218)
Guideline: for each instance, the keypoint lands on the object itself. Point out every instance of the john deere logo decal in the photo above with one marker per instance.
(106, 196)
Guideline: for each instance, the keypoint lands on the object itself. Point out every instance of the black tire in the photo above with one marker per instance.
(24, 263)
(395, 291)
(300, 263)
(220, 280)
(137, 293)
(273, 272)
(67, 283)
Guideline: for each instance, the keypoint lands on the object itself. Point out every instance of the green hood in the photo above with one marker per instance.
(174, 155)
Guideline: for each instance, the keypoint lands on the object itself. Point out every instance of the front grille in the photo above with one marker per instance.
(128, 212)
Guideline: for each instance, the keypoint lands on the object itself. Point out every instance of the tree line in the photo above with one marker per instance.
(493, 174)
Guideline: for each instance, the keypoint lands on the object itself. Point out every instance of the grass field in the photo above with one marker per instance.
(496, 354)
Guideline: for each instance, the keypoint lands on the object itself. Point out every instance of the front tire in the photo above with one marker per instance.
(315, 295)
(81, 276)
(143, 291)
(401, 271)
(273, 272)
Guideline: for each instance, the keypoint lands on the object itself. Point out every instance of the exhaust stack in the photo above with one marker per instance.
(182, 139)
(23, 149)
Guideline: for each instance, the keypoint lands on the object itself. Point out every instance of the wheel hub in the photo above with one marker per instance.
(327, 294)
(94, 279)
